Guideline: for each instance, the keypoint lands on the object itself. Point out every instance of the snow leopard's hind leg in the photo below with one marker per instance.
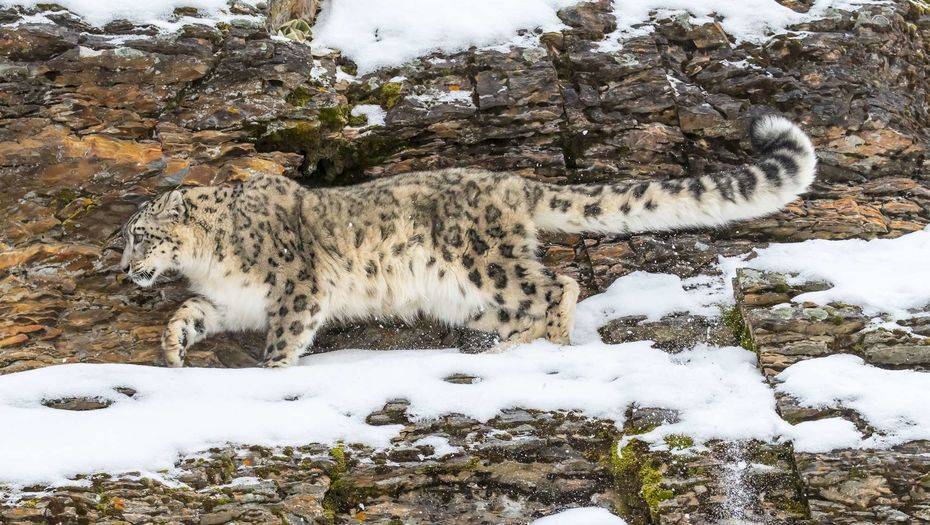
(293, 322)
(529, 302)
(560, 317)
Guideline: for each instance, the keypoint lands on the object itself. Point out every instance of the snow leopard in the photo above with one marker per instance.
(456, 245)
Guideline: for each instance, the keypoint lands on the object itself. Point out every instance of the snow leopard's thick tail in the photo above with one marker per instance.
(786, 168)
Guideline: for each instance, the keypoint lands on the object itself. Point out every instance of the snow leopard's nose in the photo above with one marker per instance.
(125, 264)
(125, 260)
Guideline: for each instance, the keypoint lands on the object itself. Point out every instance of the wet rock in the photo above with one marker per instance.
(719, 482)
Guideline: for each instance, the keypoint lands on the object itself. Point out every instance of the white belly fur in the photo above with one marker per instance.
(407, 295)
(243, 306)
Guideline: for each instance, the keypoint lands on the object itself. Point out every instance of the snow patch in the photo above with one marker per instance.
(824, 435)
(718, 391)
(376, 34)
(893, 402)
(653, 295)
(441, 446)
(159, 13)
(744, 20)
(581, 516)
(373, 112)
(883, 276)
(434, 97)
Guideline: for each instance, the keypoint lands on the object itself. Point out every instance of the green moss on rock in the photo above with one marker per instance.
(679, 441)
(299, 97)
(781, 287)
(335, 117)
(389, 94)
(66, 196)
(343, 494)
(299, 136)
(633, 466)
(733, 319)
(329, 156)
(340, 116)
(357, 120)
(336, 499)
(652, 491)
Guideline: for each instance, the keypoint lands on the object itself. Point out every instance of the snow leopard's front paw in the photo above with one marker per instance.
(174, 344)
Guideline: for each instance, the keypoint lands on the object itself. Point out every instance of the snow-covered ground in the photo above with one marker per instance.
(376, 33)
(159, 13)
(744, 20)
(374, 114)
(653, 295)
(883, 276)
(328, 399)
(718, 391)
(892, 401)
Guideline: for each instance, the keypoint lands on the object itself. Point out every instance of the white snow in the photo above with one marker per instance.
(39, 18)
(375, 33)
(373, 112)
(434, 97)
(824, 435)
(581, 516)
(894, 402)
(441, 446)
(653, 295)
(743, 20)
(157, 12)
(883, 276)
(718, 391)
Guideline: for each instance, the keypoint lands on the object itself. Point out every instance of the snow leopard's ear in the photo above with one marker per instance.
(170, 206)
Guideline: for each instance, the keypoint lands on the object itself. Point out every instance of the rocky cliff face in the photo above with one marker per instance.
(90, 125)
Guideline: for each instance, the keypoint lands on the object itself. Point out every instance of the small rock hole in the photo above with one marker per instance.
(77, 403)
(462, 379)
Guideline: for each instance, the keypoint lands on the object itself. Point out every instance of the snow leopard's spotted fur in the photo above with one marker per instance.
(457, 245)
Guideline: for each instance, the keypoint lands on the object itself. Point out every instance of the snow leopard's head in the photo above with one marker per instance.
(152, 244)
